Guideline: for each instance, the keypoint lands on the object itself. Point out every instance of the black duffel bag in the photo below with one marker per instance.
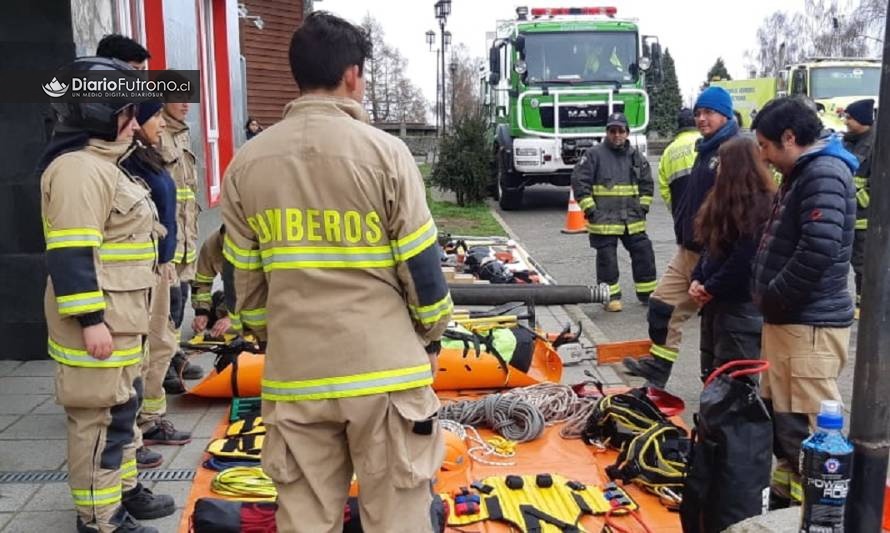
(729, 470)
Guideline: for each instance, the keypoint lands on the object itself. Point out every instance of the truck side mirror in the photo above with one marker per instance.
(519, 44)
(494, 65)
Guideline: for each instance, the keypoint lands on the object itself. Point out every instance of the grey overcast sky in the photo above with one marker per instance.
(696, 31)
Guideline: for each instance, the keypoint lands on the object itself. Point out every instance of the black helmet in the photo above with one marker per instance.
(98, 119)
(685, 118)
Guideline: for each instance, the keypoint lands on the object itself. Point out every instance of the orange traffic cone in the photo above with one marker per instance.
(575, 221)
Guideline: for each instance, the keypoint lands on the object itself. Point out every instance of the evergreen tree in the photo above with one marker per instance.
(718, 71)
(665, 99)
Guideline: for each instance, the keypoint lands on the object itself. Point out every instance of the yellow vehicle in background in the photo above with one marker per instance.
(832, 83)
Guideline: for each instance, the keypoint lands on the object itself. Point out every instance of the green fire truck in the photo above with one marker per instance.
(832, 83)
(554, 77)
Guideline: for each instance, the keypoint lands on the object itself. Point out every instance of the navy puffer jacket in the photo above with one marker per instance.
(699, 184)
(802, 264)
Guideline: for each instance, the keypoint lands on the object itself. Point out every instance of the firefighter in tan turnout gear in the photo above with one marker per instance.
(179, 162)
(210, 309)
(100, 228)
(334, 254)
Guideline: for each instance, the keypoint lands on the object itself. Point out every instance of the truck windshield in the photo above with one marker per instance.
(832, 82)
(580, 56)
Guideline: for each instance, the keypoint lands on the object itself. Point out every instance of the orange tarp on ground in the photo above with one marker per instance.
(549, 453)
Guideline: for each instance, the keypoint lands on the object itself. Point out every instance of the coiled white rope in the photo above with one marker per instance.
(521, 414)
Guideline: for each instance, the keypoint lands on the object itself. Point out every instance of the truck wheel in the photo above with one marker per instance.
(509, 194)
(510, 199)
(493, 188)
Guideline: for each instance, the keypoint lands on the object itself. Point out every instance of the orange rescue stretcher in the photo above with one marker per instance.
(458, 370)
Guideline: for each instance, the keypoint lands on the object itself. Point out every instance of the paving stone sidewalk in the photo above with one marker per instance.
(32, 434)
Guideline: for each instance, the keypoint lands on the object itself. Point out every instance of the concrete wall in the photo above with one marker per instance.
(90, 21)
(35, 35)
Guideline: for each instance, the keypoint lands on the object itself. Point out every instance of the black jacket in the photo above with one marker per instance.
(614, 188)
(861, 146)
(802, 263)
(698, 184)
(163, 193)
(727, 277)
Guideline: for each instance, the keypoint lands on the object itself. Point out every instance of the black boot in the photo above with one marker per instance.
(655, 370)
(190, 371)
(144, 505)
(164, 433)
(146, 458)
(172, 383)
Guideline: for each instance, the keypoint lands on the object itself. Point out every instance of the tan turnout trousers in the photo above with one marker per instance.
(101, 405)
(162, 346)
(805, 362)
(390, 441)
(670, 305)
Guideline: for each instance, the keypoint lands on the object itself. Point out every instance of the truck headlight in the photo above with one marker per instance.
(527, 152)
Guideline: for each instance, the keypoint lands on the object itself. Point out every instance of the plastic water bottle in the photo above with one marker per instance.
(826, 463)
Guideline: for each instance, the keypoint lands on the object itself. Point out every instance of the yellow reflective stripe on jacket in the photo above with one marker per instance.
(617, 190)
(606, 229)
(185, 193)
(586, 203)
(96, 497)
(348, 386)
(636, 227)
(202, 278)
(202, 297)
(430, 314)
(614, 289)
(82, 302)
(128, 469)
(617, 229)
(863, 198)
(127, 251)
(415, 242)
(73, 238)
(664, 352)
(77, 357)
(645, 286)
(254, 317)
(646, 200)
(860, 182)
(861, 223)
(190, 257)
(241, 258)
(154, 405)
(296, 257)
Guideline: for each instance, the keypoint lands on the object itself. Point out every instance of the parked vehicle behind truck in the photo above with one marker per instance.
(832, 83)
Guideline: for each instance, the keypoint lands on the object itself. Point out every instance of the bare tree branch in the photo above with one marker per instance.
(389, 94)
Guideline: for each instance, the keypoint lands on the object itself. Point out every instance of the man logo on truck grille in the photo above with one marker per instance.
(582, 113)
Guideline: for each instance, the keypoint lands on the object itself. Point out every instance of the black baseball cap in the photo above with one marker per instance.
(617, 119)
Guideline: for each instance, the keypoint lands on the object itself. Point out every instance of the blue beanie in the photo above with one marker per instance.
(862, 111)
(147, 110)
(716, 98)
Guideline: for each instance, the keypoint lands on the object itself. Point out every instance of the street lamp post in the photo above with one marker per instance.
(430, 40)
(443, 9)
(452, 68)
